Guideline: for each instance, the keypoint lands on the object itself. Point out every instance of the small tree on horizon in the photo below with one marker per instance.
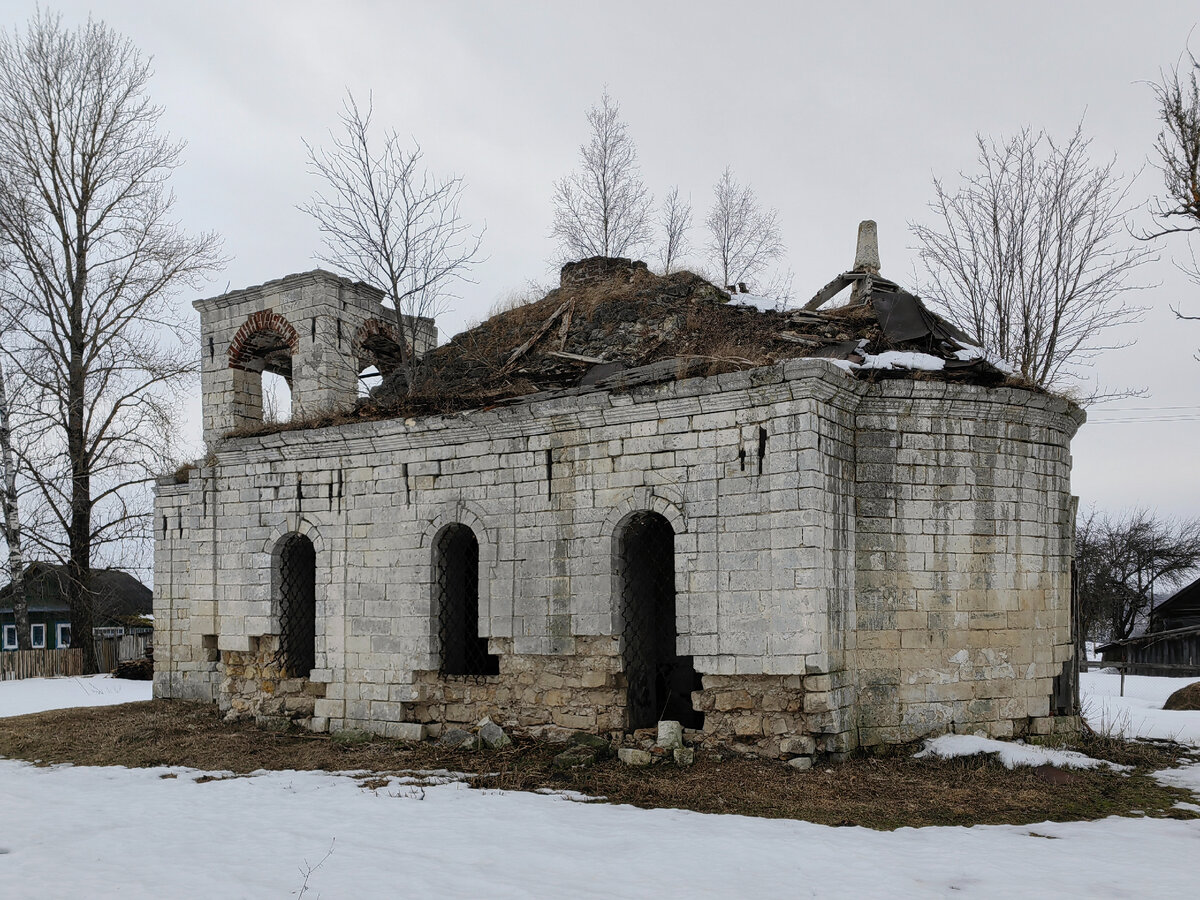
(675, 219)
(1031, 256)
(388, 222)
(744, 237)
(603, 208)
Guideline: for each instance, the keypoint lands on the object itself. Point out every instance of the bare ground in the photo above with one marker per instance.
(876, 792)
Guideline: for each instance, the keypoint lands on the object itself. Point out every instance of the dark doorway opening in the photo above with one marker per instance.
(456, 570)
(660, 682)
(297, 606)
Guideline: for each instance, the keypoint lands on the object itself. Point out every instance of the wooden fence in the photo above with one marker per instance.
(110, 651)
(16, 664)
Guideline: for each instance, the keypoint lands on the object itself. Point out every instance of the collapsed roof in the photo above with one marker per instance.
(610, 315)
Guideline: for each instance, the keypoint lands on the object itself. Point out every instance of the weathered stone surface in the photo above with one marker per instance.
(631, 756)
(492, 735)
(458, 739)
(409, 731)
(684, 756)
(592, 741)
(670, 735)
(801, 763)
(577, 756)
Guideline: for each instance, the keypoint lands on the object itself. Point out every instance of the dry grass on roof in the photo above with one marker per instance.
(626, 322)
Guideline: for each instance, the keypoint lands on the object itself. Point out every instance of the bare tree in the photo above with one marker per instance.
(1031, 255)
(86, 220)
(390, 223)
(603, 208)
(11, 526)
(1124, 563)
(675, 219)
(744, 238)
(1178, 150)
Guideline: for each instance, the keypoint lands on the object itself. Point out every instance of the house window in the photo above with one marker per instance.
(37, 636)
(456, 587)
(10, 637)
(63, 635)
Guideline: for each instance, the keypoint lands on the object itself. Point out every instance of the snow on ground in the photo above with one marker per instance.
(1011, 753)
(32, 695)
(257, 836)
(1139, 713)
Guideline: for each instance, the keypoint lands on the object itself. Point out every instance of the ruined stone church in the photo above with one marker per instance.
(643, 497)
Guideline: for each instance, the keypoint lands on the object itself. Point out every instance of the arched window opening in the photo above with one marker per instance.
(261, 354)
(368, 378)
(276, 398)
(297, 654)
(456, 573)
(660, 682)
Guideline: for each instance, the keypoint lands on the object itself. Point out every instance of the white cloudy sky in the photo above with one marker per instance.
(834, 112)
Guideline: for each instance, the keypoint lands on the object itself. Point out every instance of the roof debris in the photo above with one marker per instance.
(610, 315)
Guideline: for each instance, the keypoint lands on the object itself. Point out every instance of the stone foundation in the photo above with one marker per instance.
(585, 691)
(255, 686)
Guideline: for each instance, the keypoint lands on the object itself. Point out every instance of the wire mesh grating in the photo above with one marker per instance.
(463, 651)
(297, 653)
(659, 681)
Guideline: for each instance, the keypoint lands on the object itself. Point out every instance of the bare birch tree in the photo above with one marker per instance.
(86, 220)
(675, 220)
(9, 500)
(387, 221)
(744, 237)
(603, 208)
(1031, 255)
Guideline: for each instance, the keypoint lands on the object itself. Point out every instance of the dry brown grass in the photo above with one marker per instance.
(880, 793)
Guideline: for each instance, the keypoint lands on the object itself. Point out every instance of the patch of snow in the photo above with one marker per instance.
(971, 352)
(1011, 753)
(30, 695)
(325, 833)
(1139, 713)
(902, 359)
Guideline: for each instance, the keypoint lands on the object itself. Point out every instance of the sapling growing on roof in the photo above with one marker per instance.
(603, 208)
(386, 220)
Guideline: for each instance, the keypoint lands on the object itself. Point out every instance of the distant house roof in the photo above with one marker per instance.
(118, 594)
(1182, 608)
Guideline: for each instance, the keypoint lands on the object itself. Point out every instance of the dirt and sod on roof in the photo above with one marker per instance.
(602, 334)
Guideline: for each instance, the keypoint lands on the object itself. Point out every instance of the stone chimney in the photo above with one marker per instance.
(866, 254)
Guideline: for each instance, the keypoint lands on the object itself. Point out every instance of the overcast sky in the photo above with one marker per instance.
(834, 112)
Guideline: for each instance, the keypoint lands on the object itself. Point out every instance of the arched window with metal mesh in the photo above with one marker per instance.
(659, 682)
(297, 576)
(456, 589)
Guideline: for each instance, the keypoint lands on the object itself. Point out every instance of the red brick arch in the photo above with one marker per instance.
(376, 343)
(264, 320)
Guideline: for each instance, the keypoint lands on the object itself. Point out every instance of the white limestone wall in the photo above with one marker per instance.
(963, 534)
(325, 312)
(752, 547)
(860, 529)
